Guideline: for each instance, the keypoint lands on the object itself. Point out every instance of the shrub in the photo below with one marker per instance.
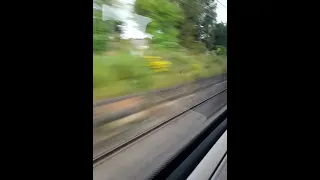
(108, 69)
(221, 50)
(99, 42)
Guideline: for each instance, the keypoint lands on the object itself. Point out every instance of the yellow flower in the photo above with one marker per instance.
(196, 66)
(160, 65)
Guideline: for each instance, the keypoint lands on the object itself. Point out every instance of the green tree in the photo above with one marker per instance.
(197, 29)
(100, 32)
(103, 29)
(192, 11)
(207, 23)
(221, 34)
(166, 17)
(192, 21)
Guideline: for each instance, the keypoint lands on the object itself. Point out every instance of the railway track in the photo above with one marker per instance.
(102, 157)
(152, 99)
(159, 92)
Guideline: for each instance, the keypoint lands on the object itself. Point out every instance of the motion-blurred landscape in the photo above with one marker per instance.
(160, 86)
(182, 42)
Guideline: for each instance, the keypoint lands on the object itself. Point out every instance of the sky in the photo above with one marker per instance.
(222, 11)
(130, 27)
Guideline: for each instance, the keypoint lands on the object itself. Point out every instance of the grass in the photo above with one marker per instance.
(121, 73)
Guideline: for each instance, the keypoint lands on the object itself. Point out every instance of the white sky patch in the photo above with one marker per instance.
(125, 13)
(221, 11)
(130, 30)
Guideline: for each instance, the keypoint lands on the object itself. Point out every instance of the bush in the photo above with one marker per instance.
(124, 67)
(99, 43)
(100, 32)
(198, 48)
(221, 50)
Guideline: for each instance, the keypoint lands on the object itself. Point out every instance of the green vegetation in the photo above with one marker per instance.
(119, 74)
(187, 43)
(166, 17)
(221, 34)
(100, 32)
(122, 73)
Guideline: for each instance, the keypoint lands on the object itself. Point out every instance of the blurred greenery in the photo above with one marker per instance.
(221, 50)
(100, 32)
(165, 17)
(221, 34)
(187, 43)
(123, 73)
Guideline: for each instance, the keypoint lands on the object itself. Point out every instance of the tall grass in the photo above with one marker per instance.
(123, 73)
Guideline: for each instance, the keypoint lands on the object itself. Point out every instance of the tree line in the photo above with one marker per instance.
(189, 24)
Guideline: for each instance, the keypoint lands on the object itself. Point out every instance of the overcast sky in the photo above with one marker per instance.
(222, 11)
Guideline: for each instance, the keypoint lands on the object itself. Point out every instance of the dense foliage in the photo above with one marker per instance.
(187, 23)
(100, 32)
(166, 17)
(221, 34)
(103, 29)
